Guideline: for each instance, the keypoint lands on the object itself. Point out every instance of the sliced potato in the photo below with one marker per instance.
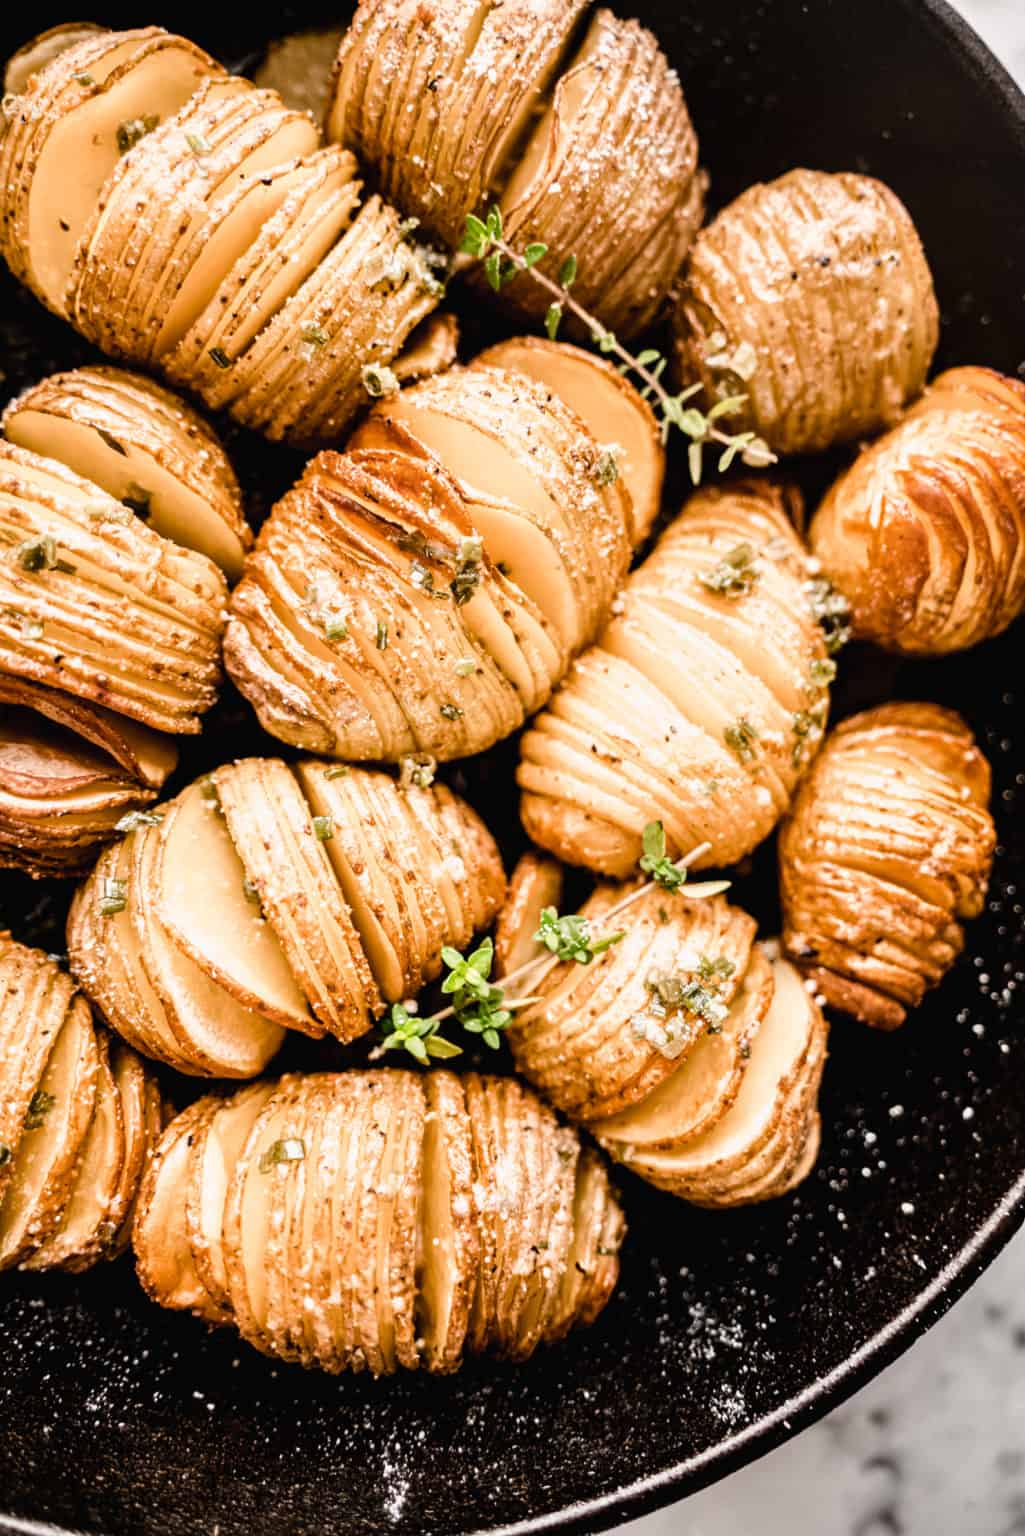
(536, 883)
(887, 851)
(359, 1220)
(142, 446)
(714, 745)
(41, 49)
(618, 417)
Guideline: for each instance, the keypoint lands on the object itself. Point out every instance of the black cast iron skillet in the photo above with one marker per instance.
(728, 1332)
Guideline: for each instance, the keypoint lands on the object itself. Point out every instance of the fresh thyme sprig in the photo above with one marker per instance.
(485, 240)
(481, 1007)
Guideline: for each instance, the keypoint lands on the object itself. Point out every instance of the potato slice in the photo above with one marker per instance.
(432, 347)
(83, 1229)
(321, 194)
(207, 910)
(35, 998)
(449, 1240)
(216, 1036)
(154, 83)
(218, 1141)
(163, 1257)
(283, 848)
(55, 1126)
(615, 413)
(34, 55)
(715, 746)
(141, 1123)
(142, 446)
(592, 1265)
(536, 883)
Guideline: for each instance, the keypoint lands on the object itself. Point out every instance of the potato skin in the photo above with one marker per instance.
(887, 849)
(712, 746)
(925, 532)
(326, 1231)
(811, 295)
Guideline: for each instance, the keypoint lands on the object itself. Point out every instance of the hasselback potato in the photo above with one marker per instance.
(590, 154)
(701, 704)
(79, 1114)
(811, 296)
(377, 1220)
(691, 1053)
(926, 530)
(70, 772)
(143, 446)
(886, 851)
(204, 229)
(95, 603)
(424, 592)
(271, 896)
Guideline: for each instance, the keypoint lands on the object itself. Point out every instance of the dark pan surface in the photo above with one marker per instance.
(728, 1332)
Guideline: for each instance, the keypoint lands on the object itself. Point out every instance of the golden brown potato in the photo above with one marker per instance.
(618, 417)
(610, 174)
(395, 607)
(70, 773)
(143, 446)
(269, 896)
(701, 704)
(811, 295)
(925, 533)
(252, 278)
(95, 603)
(375, 1220)
(437, 99)
(692, 1054)
(39, 50)
(455, 108)
(887, 849)
(78, 1117)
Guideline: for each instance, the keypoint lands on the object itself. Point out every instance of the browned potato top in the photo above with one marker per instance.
(812, 296)
(925, 533)
(372, 1220)
(887, 848)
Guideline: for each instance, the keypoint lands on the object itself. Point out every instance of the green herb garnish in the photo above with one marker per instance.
(655, 862)
(822, 672)
(323, 828)
(132, 130)
(133, 820)
(382, 635)
(291, 1149)
(198, 143)
(468, 570)
(337, 771)
(831, 611)
(740, 737)
(451, 711)
(571, 938)
(39, 1106)
(378, 381)
(220, 357)
(734, 574)
(417, 770)
(138, 500)
(40, 554)
(113, 896)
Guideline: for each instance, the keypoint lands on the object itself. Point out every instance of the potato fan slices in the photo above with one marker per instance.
(271, 897)
(375, 1220)
(205, 230)
(79, 1114)
(811, 295)
(692, 1054)
(464, 103)
(886, 851)
(143, 446)
(69, 772)
(701, 704)
(423, 593)
(925, 533)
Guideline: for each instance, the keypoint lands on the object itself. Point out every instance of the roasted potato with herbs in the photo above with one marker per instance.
(71, 774)
(143, 446)
(690, 1053)
(886, 851)
(255, 277)
(272, 896)
(423, 593)
(701, 704)
(79, 1114)
(376, 1220)
(811, 297)
(926, 530)
(591, 154)
(96, 604)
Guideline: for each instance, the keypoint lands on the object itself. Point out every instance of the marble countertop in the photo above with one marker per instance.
(935, 1446)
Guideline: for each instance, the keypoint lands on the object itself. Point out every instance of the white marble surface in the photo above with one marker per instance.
(935, 1446)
